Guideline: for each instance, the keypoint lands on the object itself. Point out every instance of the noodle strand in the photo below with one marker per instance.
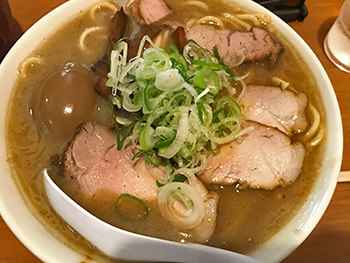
(103, 5)
(83, 36)
(27, 63)
(198, 4)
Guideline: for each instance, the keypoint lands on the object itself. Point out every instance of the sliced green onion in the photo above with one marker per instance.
(130, 76)
(114, 100)
(168, 79)
(179, 178)
(216, 54)
(180, 135)
(182, 198)
(166, 135)
(136, 155)
(212, 65)
(185, 218)
(227, 107)
(131, 207)
(118, 42)
(127, 132)
(218, 133)
(159, 184)
(147, 95)
(173, 48)
(206, 77)
(147, 138)
(152, 158)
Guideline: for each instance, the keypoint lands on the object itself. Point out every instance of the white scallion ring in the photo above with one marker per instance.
(193, 215)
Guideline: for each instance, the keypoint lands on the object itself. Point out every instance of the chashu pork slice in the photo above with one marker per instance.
(255, 45)
(148, 11)
(93, 162)
(265, 158)
(272, 106)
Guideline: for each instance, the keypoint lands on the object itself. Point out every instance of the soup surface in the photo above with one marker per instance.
(246, 217)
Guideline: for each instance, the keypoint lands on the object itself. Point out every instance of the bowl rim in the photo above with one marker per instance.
(53, 250)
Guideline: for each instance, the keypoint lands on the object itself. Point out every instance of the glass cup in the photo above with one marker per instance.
(337, 41)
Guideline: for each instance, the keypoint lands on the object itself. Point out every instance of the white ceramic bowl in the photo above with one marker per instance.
(36, 238)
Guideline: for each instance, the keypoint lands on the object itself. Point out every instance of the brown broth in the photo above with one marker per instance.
(246, 218)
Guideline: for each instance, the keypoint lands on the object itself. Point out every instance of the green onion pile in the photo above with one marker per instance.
(172, 98)
(170, 108)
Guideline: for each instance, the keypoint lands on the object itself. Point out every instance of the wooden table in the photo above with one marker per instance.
(330, 241)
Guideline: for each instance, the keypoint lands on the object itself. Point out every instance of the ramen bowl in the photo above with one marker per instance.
(47, 246)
